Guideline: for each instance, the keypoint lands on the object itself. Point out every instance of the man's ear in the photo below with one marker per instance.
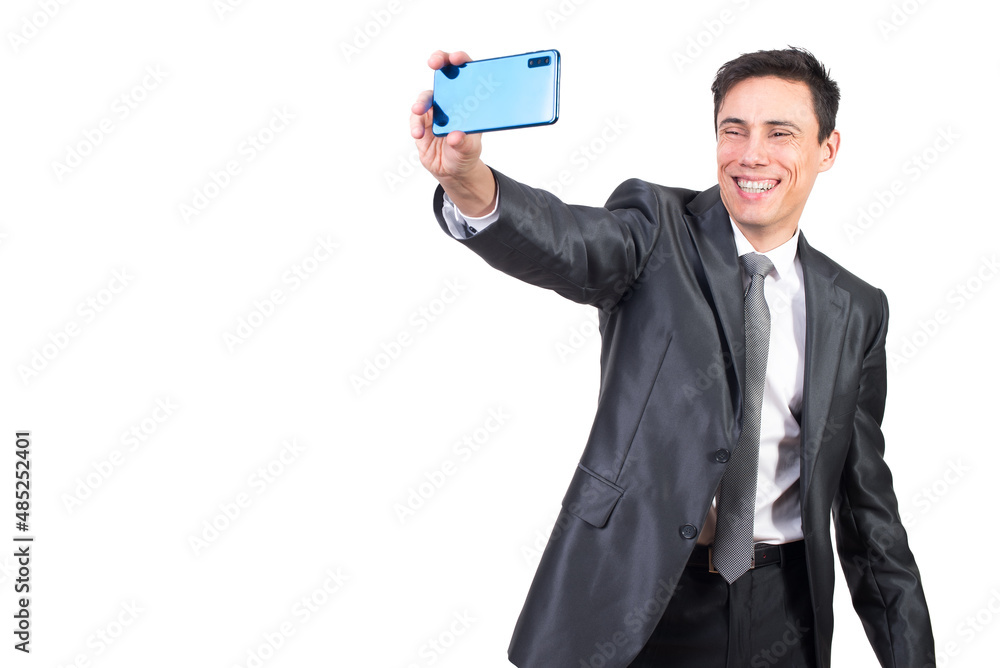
(828, 149)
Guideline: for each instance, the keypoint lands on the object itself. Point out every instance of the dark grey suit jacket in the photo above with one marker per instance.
(661, 266)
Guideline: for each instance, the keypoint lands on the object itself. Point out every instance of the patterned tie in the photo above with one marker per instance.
(732, 552)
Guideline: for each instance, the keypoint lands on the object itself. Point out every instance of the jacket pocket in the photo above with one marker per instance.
(591, 497)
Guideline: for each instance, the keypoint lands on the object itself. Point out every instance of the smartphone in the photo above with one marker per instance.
(497, 93)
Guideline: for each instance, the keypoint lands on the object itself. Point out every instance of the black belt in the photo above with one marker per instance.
(764, 554)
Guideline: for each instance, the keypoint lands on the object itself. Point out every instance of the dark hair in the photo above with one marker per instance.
(791, 64)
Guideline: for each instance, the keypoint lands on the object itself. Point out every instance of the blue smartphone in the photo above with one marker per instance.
(497, 93)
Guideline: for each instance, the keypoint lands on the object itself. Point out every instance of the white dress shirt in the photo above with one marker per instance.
(778, 517)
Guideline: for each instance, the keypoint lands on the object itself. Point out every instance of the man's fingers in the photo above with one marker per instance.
(456, 139)
(423, 102)
(439, 59)
(418, 118)
(419, 123)
(459, 57)
(417, 126)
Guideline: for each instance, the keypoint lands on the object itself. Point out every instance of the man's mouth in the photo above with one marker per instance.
(755, 187)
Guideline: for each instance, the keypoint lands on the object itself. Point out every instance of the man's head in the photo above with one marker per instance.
(775, 113)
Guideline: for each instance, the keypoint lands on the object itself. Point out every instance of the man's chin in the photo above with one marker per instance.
(742, 210)
(750, 216)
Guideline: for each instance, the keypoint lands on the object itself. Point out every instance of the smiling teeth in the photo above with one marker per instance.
(755, 186)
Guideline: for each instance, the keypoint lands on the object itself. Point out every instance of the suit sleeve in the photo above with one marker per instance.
(590, 255)
(879, 568)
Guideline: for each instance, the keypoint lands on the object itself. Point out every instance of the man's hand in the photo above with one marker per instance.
(453, 160)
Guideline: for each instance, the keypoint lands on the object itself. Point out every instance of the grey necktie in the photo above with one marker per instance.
(732, 552)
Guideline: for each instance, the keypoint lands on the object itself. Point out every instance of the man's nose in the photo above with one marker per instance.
(754, 151)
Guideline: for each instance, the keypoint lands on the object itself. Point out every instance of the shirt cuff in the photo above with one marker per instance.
(462, 226)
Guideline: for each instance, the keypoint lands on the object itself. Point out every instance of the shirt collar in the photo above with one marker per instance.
(782, 257)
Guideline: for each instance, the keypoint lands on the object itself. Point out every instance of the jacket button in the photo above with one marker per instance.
(722, 455)
(689, 531)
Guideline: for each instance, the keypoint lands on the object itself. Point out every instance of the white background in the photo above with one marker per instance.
(340, 171)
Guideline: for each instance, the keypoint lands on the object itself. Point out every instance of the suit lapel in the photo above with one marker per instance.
(826, 321)
(720, 278)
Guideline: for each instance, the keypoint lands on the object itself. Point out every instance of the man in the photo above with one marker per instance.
(742, 392)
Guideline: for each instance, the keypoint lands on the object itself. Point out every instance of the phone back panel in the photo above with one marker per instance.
(497, 93)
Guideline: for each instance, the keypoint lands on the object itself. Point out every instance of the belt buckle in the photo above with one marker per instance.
(711, 562)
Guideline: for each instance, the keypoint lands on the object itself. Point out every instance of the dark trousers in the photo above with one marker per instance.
(763, 620)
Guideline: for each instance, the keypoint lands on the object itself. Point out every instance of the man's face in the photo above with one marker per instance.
(769, 155)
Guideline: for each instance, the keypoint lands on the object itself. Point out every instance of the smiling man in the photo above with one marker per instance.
(742, 391)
